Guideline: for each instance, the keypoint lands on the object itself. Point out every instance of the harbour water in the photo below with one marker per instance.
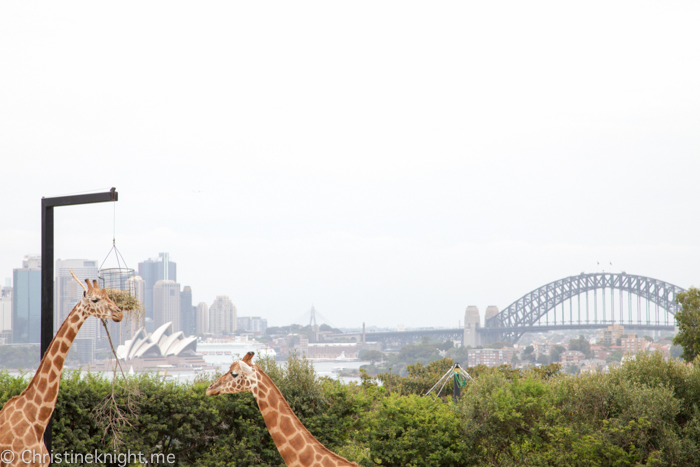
(328, 369)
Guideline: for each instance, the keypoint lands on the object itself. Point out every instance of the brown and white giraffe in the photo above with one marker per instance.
(297, 446)
(23, 418)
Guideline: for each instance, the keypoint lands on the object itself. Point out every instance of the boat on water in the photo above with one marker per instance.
(343, 358)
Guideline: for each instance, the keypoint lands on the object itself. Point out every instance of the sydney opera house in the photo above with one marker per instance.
(159, 349)
(162, 343)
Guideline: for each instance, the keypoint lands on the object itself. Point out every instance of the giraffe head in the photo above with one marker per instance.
(240, 377)
(95, 302)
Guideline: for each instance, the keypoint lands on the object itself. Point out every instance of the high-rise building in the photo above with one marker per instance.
(222, 316)
(151, 271)
(166, 304)
(187, 312)
(68, 293)
(202, 318)
(131, 322)
(253, 324)
(6, 309)
(26, 301)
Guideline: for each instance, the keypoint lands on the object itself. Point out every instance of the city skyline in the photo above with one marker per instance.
(391, 168)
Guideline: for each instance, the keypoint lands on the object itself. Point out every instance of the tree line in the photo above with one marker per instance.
(646, 412)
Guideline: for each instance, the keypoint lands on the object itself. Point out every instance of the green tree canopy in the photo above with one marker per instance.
(688, 319)
(372, 356)
(582, 345)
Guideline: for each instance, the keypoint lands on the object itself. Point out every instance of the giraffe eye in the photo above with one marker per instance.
(234, 374)
(95, 300)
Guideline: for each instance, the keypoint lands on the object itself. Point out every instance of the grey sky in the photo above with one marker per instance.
(387, 162)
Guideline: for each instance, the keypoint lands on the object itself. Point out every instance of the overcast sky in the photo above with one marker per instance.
(386, 162)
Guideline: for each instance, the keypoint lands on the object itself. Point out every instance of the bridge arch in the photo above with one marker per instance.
(525, 314)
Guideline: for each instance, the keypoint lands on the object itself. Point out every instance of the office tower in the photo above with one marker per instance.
(187, 312)
(222, 316)
(26, 301)
(472, 321)
(152, 271)
(166, 304)
(6, 315)
(254, 324)
(202, 318)
(68, 293)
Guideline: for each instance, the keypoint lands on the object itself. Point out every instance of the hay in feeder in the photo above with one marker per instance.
(124, 300)
(127, 303)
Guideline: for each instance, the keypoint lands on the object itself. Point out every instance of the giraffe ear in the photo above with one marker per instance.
(245, 368)
(248, 357)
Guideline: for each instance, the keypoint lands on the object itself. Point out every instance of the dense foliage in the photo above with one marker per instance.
(646, 412)
(688, 319)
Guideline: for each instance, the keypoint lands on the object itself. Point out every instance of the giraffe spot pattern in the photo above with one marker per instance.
(51, 393)
(45, 413)
(65, 347)
(288, 455)
(306, 456)
(42, 385)
(272, 420)
(327, 462)
(52, 375)
(17, 444)
(70, 335)
(287, 426)
(297, 442)
(30, 412)
(16, 417)
(273, 400)
(21, 428)
(278, 437)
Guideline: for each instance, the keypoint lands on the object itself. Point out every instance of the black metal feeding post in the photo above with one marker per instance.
(47, 265)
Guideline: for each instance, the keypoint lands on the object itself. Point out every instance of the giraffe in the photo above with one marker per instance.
(24, 418)
(295, 444)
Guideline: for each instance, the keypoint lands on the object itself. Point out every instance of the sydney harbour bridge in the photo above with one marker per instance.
(582, 302)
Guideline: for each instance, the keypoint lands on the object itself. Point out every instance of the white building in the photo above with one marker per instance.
(166, 304)
(222, 316)
(6, 309)
(68, 293)
(202, 319)
(163, 342)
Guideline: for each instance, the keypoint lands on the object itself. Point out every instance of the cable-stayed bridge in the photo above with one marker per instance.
(586, 301)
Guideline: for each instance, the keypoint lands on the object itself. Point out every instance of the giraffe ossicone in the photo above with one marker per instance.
(23, 418)
(297, 446)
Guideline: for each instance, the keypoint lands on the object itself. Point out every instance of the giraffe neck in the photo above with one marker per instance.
(295, 443)
(42, 390)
